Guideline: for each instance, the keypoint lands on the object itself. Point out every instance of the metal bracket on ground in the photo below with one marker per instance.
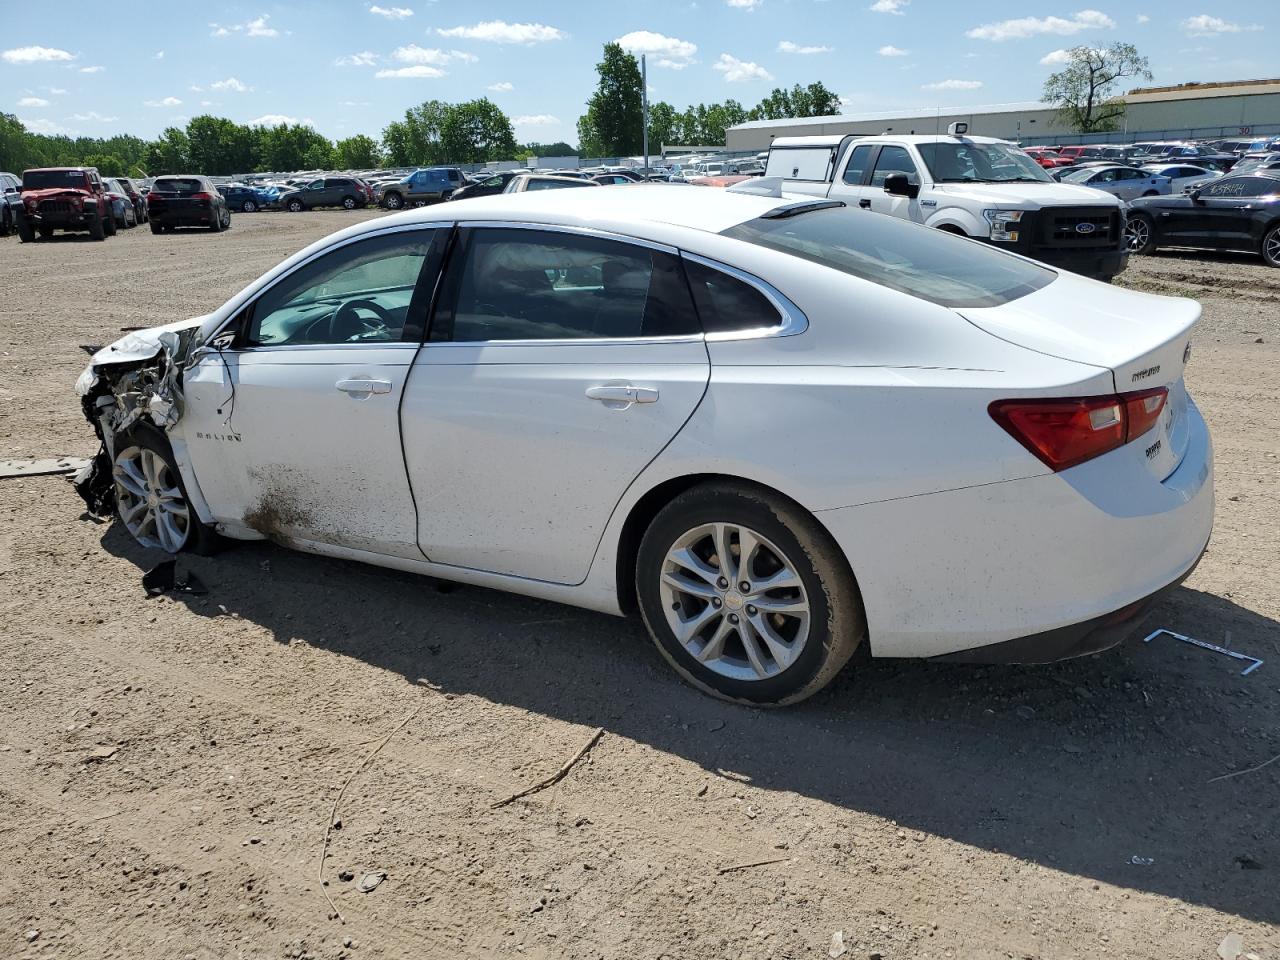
(1254, 662)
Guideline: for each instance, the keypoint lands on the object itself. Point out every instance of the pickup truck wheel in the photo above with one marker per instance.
(97, 228)
(26, 232)
(1140, 234)
(294, 206)
(248, 207)
(393, 201)
(1271, 247)
(349, 203)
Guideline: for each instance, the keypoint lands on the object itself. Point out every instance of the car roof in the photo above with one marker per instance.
(708, 210)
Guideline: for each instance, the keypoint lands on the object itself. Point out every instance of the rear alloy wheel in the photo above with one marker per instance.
(393, 201)
(294, 206)
(1140, 233)
(349, 203)
(1271, 247)
(747, 596)
(248, 207)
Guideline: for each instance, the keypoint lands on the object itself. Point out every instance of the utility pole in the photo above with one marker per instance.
(644, 110)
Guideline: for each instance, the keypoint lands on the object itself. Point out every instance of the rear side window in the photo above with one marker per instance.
(545, 285)
(856, 169)
(900, 255)
(727, 304)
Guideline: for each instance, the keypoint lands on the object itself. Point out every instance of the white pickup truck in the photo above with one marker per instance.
(978, 187)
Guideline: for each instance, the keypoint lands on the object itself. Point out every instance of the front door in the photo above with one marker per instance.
(559, 364)
(294, 430)
(894, 159)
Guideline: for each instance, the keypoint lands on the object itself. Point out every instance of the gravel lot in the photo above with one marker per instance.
(924, 810)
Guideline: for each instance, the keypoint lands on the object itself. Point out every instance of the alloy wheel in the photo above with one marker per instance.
(151, 502)
(1137, 233)
(1271, 248)
(735, 601)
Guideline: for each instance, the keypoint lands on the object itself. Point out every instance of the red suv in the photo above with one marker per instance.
(64, 198)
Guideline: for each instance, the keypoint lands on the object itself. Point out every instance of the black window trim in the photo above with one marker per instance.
(240, 317)
(791, 319)
(452, 270)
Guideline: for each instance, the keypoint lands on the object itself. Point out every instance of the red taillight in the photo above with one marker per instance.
(202, 196)
(1065, 432)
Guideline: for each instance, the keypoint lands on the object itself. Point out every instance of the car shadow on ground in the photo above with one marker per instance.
(1100, 767)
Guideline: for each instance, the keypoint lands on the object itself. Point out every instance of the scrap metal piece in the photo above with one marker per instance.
(42, 467)
(95, 484)
(1254, 662)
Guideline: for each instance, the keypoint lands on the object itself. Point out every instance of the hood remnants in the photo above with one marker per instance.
(136, 379)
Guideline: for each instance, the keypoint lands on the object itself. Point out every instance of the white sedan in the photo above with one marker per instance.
(1183, 178)
(779, 429)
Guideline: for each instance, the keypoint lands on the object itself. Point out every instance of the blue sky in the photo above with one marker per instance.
(351, 66)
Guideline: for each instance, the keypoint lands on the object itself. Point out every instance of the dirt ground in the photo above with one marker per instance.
(168, 766)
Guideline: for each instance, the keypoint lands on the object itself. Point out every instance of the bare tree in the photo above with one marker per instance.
(1084, 92)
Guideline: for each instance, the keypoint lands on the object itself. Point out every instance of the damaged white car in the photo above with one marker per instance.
(779, 430)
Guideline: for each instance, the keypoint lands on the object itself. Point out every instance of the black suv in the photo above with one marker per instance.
(186, 201)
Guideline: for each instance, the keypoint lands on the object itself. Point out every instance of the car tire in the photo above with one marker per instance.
(226, 218)
(393, 201)
(215, 221)
(46, 232)
(248, 207)
(1152, 193)
(156, 228)
(348, 203)
(97, 228)
(295, 206)
(1271, 246)
(146, 478)
(26, 232)
(1140, 233)
(6, 221)
(817, 620)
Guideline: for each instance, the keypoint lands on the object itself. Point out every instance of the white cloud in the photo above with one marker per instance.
(159, 55)
(419, 72)
(256, 27)
(166, 102)
(953, 85)
(44, 126)
(786, 46)
(55, 91)
(231, 83)
(736, 71)
(463, 56)
(272, 120)
(33, 102)
(194, 88)
(391, 13)
(672, 52)
(207, 103)
(94, 116)
(35, 55)
(536, 120)
(499, 31)
(92, 69)
(744, 4)
(1025, 27)
(365, 58)
(888, 6)
(1203, 25)
(892, 51)
(1056, 58)
(416, 54)
(502, 86)
(1143, 18)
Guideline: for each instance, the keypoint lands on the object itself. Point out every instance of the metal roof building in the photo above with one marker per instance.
(1239, 108)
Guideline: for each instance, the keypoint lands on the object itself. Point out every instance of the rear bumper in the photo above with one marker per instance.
(185, 218)
(1051, 563)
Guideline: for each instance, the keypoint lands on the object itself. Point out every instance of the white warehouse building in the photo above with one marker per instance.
(1193, 110)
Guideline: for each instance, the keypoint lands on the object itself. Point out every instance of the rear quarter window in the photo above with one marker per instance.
(907, 257)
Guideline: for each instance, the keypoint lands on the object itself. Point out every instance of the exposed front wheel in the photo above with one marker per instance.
(151, 500)
(1271, 247)
(747, 596)
(294, 206)
(1140, 234)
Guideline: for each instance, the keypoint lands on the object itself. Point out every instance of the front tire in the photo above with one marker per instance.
(1271, 246)
(248, 207)
(769, 629)
(151, 500)
(97, 229)
(295, 206)
(393, 201)
(26, 232)
(1140, 234)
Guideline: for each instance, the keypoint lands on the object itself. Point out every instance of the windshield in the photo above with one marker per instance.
(177, 185)
(900, 255)
(49, 179)
(964, 161)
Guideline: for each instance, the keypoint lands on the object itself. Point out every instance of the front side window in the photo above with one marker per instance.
(856, 168)
(963, 161)
(893, 160)
(515, 284)
(370, 291)
(900, 255)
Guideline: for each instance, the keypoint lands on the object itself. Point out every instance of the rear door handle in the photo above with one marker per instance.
(364, 385)
(623, 394)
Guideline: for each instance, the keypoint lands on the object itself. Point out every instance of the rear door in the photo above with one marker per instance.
(294, 431)
(560, 362)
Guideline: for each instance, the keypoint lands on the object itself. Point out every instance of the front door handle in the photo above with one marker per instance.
(864, 203)
(364, 386)
(622, 394)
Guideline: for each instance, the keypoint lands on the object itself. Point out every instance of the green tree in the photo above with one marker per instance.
(476, 131)
(612, 125)
(357, 152)
(415, 140)
(557, 149)
(219, 146)
(108, 164)
(1085, 90)
(663, 123)
(18, 148)
(291, 146)
(171, 153)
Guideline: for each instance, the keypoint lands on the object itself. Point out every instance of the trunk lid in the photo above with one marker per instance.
(1144, 340)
